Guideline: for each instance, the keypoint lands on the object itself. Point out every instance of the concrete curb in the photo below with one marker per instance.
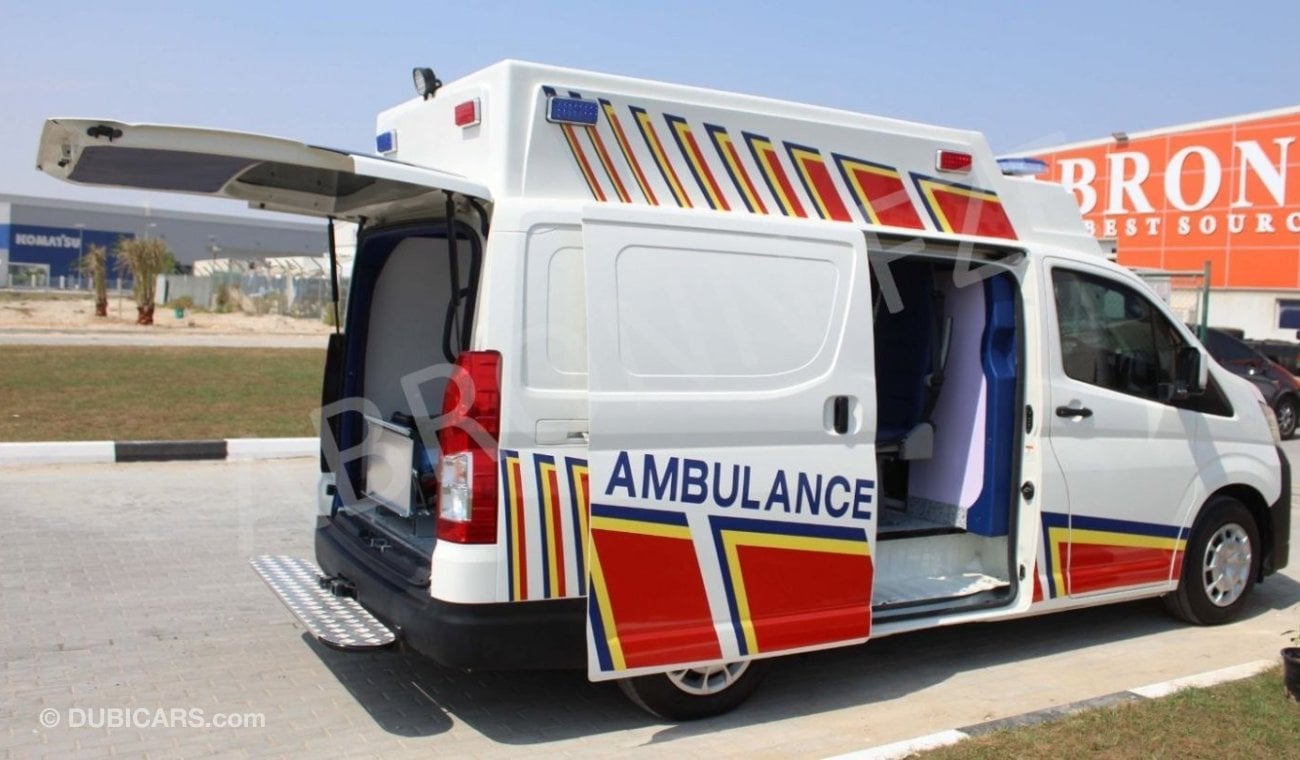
(89, 452)
(909, 747)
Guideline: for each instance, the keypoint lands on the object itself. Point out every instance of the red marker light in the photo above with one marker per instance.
(952, 161)
(467, 113)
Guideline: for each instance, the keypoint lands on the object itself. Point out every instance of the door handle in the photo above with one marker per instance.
(840, 414)
(1073, 411)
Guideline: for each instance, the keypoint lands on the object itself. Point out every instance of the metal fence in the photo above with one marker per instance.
(250, 292)
(38, 277)
(235, 291)
(1186, 292)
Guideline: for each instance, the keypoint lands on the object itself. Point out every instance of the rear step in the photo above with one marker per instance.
(323, 605)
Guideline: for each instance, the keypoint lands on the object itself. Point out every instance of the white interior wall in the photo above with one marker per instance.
(954, 475)
(407, 312)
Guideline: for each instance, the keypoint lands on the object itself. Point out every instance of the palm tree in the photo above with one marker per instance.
(145, 259)
(94, 264)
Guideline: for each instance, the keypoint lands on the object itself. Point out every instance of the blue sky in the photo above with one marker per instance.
(1027, 74)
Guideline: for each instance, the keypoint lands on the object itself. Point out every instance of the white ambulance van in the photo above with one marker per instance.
(664, 382)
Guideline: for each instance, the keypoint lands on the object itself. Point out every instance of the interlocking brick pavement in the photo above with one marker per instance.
(127, 586)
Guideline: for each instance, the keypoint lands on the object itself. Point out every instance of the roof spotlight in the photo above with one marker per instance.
(426, 83)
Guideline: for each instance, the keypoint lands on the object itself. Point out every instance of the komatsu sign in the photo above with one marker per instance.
(665, 382)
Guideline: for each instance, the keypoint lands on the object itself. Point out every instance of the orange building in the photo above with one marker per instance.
(1224, 191)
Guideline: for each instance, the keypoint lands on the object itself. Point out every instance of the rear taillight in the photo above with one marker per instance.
(467, 489)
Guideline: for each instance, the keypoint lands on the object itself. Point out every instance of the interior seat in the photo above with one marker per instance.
(911, 350)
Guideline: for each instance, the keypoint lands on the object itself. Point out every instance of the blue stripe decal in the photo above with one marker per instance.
(639, 515)
(787, 528)
(728, 586)
(598, 634)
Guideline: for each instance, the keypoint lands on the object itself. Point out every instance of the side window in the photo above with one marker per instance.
(1111, 336)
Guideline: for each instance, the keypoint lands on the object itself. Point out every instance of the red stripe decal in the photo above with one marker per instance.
(817, 181)
(778, 182)
(791, 603)
(587, 173)
(879, 192)
(690, 149)
(625, 148)
(657, 152)
(521, 540)
(964, 210)
(659, 608)
(561, 569)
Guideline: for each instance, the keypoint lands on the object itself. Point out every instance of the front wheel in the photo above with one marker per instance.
(1219, 565)
(695, 692)
(1286, 416)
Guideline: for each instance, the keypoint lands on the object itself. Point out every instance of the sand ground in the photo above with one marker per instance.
(41, 312)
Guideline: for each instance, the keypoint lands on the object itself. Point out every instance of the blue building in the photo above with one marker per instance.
(42, 238)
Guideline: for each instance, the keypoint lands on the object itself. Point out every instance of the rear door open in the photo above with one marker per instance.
(732, 456)
(269, 173)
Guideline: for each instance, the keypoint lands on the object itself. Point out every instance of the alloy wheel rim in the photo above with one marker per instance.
(1226, 565)
(1286, 417)
(708, 680)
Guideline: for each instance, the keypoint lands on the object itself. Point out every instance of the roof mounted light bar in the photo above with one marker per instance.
(1022, 166)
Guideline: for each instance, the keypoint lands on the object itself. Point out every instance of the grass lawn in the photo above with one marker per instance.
(94, 393)
(1247, 718)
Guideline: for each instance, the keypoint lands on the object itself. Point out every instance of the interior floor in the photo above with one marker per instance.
(948, 566)
(900, 591)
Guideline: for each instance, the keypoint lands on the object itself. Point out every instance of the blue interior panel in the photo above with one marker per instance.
(989, 515)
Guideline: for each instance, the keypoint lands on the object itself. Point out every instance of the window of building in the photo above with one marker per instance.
(1288, 314)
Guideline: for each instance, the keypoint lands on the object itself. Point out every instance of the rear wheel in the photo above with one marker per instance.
(695, 692)
(1219, 566)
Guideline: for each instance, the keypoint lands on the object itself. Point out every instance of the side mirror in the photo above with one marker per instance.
(1191, 372)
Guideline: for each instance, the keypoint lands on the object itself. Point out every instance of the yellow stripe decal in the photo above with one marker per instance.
(661, 158)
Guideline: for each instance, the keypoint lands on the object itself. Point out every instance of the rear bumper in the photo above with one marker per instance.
(1280, 511)
(548, 634)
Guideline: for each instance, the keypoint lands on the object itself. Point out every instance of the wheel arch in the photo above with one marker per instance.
(1258, 507)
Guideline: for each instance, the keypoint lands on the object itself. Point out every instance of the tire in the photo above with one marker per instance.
(1286, 410)
(695, 693)
(1219, 566)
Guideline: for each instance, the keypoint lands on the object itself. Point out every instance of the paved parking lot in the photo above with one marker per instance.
(125, 591)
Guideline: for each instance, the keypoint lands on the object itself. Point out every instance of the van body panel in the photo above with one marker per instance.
(535, 315)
